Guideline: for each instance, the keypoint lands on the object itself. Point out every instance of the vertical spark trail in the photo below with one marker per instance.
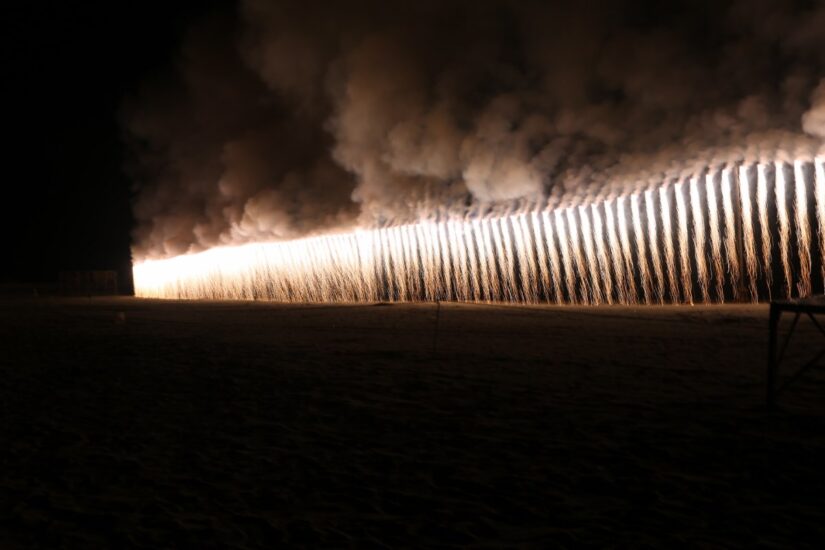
(389, 280)
(564, 244)
(762, 204)
(616, 252)
(731, 249)
(419, 231)
(575, 246)
(528, 248)
(474, 267)
(543, 262)
(555, 264)
(447, 269)
(747, 231)
(819, 191)
(578, 256)
(670, 252)
(504, 265)
(784, 226)
(400, 265)
(434, 256)
(641, 249)
(483, 255)
(467, 259)
(699, 238)
(520, 253)
(422, 236)
(458, 259)
(601, 250)
(715, 236)
(621, 214)
(363, 290)
(496, 293)
(411, 253)
(681, 213)
(655, 254)
(511, 275)
(590, 255)
(803, 231)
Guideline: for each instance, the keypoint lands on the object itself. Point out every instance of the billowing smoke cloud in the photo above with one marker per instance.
(294, 117)
(813, 122)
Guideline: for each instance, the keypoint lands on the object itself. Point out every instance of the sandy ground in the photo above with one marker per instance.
(218, 424)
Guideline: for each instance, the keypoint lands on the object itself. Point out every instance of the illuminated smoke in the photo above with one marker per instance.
(601, 250)
(282, 119)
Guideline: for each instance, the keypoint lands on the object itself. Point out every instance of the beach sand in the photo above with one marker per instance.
(140, 423)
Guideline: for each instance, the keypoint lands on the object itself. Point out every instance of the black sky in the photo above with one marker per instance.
(68, 67)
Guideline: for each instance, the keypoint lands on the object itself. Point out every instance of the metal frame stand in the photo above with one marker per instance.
(809, 307)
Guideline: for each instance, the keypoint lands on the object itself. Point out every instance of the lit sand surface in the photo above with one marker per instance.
(236, 424)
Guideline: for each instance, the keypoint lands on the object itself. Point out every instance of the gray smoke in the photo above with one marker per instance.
(295, 117)
(813, 121)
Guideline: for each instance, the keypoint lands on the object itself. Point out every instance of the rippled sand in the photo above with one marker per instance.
(214, 424)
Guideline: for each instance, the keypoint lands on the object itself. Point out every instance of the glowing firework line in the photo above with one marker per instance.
(709, 236)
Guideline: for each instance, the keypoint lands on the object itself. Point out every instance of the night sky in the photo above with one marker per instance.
(69, 67)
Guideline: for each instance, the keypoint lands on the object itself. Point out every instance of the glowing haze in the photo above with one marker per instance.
(571, 130)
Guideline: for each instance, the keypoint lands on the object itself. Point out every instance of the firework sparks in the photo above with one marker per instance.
(621, 249)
